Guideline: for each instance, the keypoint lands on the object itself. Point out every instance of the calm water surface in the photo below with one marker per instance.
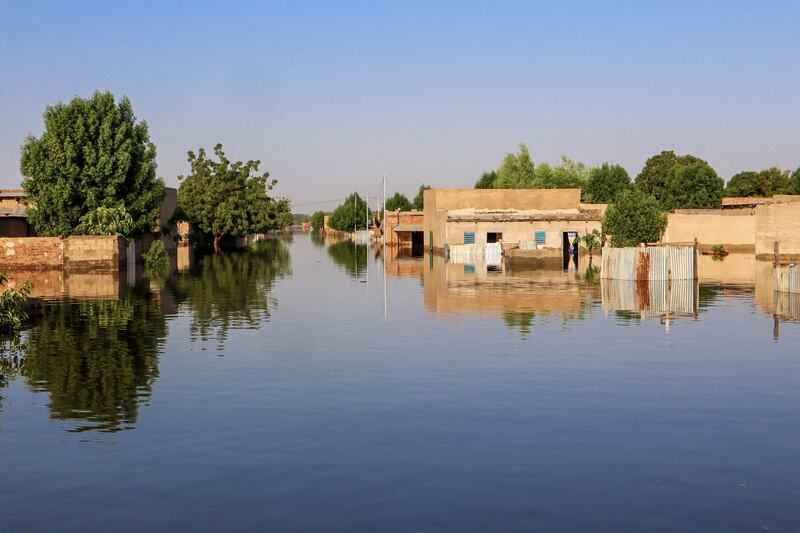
(289, 388)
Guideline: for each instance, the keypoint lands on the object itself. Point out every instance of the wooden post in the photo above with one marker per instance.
(776, 253)
(694, 259)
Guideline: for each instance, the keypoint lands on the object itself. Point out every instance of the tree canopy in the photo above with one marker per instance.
(693, 186)
(634, 218)
(605, 183)
(487, 180)
(793, 187)
(317, 220)
(655, 174)
(419, 199)
(92, 155)
(230, 198)
(398, 201)
(351, 214)
(764, 183)
(518, 171)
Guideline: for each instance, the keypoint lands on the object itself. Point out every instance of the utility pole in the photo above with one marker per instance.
(383, 227)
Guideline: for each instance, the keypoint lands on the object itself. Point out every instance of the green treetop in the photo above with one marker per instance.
(93, 155)
(765, 183)
(793, 187)
(398, 201)
(225, 198)
(693, 186)
(653, 177)
(419, 199)
(635, 217)
(605, 183)
(350, 215)
(317, 220)
(487, 180)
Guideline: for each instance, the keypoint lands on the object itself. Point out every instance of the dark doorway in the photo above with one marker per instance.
(492, 238)
(417, 243)
(570, 246)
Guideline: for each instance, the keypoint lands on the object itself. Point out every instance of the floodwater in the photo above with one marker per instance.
(293, 387)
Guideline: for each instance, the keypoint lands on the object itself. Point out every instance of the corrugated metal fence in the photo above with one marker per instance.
(787, 278)
(651, 263)
(649, 298)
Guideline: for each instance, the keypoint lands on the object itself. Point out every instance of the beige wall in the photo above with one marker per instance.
(781, 223)
(94, 252)
(734, 231)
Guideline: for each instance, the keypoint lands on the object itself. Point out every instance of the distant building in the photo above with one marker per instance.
(405, 229)
(14, 214)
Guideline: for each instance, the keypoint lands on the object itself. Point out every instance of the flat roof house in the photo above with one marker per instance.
(526, 219)
(13, 214)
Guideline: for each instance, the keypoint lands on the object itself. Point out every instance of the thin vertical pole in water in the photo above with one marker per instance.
(366, 231)
(383, 228)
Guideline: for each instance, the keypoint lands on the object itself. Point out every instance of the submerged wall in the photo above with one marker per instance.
(55, 253)
(735, 231)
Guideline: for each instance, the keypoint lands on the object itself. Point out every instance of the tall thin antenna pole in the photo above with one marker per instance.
(385, 252)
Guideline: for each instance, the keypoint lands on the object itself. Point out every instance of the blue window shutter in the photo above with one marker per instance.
(469, 237)
(469, 269)
(541, 237)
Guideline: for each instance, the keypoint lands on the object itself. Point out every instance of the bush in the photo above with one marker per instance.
(634, 218)
(12, 301)
(317, 220)
(106, 221)
(156, 258)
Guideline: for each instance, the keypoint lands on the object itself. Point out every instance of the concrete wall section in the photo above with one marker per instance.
(514, 232)
(781, 223)
(94, 252)
(736, 233)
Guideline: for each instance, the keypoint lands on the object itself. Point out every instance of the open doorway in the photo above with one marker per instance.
(494, 237)
(417, 243)
(570, 247)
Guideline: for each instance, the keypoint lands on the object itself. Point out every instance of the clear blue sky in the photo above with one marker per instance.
(330, 95)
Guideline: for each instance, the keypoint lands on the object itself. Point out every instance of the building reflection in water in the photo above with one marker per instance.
(517, 295)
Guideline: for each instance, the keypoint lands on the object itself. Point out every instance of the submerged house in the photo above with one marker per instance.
(526, 224)
(405, 229)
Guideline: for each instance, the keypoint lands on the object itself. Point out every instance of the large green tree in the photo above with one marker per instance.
(518, 171)
(350, 215)
(398, 201)
(606, 182)
(655, 174)
(764, 183)
(635, 217)
(93, 155)
(419, 199)
(230, 198)
(693, 186)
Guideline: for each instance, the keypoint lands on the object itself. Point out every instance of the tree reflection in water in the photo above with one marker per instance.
(233, 290)
(97, 360)
(352, 258)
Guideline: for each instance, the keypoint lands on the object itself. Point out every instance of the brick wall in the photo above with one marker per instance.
(49, 253)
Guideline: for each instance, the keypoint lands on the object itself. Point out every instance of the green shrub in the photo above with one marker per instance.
(635, 217)
(12, 302)
(156, 258)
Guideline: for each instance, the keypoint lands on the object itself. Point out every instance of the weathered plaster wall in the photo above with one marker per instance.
(781, 223)
(735, 231)
(76, 252)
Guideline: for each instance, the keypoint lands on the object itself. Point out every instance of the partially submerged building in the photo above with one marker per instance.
(527, 223)
(405, 229)
(750, 225)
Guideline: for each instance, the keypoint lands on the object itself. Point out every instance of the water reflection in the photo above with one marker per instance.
(350, 257)
(233, 290)
(97, 360)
